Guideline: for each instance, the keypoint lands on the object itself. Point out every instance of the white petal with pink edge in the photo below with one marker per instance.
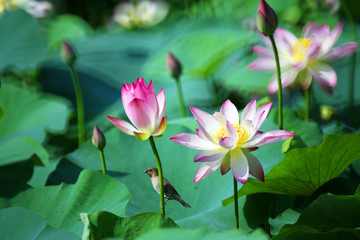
(229, 110)
(122, 125)
(207, 123)
(193, 141)
(239, 165)
(268, 138)
(206, 169)
(341, 51)
(210, 155)
(249, 112)
(324, 75)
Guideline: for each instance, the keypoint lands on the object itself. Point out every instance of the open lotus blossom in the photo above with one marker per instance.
(144, 14)
(38, 9)
(227, 142)
(145, 110)
(302, 59)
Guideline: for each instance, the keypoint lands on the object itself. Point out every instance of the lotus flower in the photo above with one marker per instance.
(145, 110)
(38, 9)
(144, 14)
(302, 59)
(227, 142)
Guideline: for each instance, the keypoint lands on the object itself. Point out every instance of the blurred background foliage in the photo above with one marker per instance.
(39, 158)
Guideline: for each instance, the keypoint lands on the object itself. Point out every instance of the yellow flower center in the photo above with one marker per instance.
(242, 133)
(300, 48)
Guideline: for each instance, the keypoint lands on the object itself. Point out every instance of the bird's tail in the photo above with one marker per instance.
(183, 202)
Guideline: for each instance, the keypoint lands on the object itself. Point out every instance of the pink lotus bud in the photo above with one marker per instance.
(67, 53)
(98, 138)
(144, 108)
(173, 65)
(266, 18)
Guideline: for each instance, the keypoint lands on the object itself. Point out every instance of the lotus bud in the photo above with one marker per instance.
(67, 53)
(98, 139)
(173, 65)
(267, 20)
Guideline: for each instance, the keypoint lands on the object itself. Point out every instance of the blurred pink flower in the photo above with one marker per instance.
(145, 110)
(302, 59)
(225, 141)
(38, 9)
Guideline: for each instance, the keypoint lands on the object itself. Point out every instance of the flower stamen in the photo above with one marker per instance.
(300, 48)
(242, 133)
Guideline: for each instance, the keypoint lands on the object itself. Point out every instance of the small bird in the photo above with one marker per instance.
(169, 191)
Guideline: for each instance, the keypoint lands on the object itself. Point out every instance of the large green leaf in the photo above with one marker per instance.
(20, 223)
(9, 151)
(331, 216)
(28, 113)
(127, 158)
(305, 170)
(179, 234)
(21, 39)
(100, 225)
(61, 205)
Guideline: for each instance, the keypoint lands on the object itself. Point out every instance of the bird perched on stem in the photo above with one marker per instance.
(169, 191)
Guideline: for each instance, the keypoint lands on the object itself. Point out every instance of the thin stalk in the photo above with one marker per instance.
(181, 98)
(353, 65)
(103, 161)
(79, 104)
(307, 104)
(278, 73)
(236, 205)
(158, 162)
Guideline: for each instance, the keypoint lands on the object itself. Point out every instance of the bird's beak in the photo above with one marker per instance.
(146, 171)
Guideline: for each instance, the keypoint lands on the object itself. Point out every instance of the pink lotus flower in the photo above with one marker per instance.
(226, 142)
(145, 110)
(302, 59)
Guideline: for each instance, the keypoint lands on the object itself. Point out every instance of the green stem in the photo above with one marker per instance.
(158, 162)
(307, 104)
(103, 161)
(181, 98)
(279, 81)
(80, 105)
(236, 204)
(186, 7)
(353, 65)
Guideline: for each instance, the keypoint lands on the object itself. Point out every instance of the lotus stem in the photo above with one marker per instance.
(236, 205)
(278, 74)
(160, 172)
(181, 98)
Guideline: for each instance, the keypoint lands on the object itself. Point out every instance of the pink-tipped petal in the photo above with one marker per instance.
(141, 136)
(210, 155)
(284, 40)
(263, 63)
(162, 128)
(265, 52)
(268, 138)
(162, 103)
(249, 112)
(206, 169)
(341, 51)
(255, 167)
(324, 75)
(142, 115)
(261, 114)
(227, 142)
(229, 110)
(207, 123)
(193, 141)
(239, 165)
(122, 125)
(232, 132)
